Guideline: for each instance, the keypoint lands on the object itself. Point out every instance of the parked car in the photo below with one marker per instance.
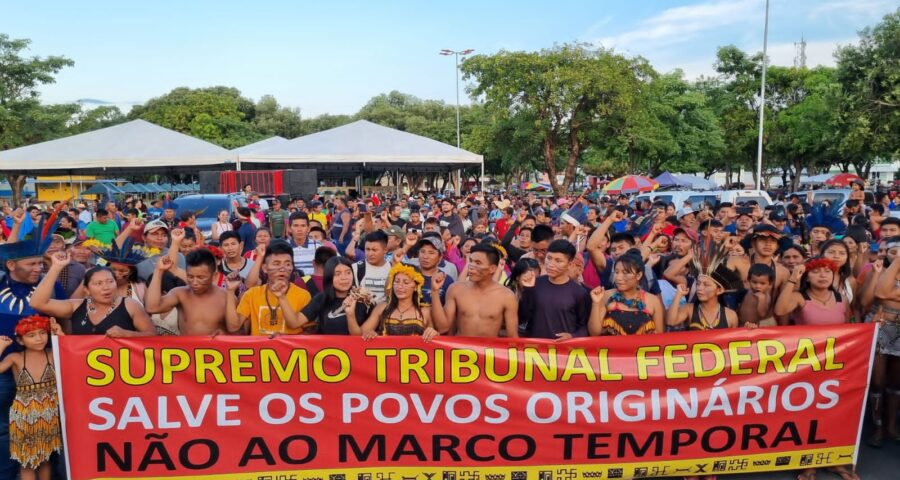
(678, 197)
(833, 195)
(207, 207)
(738, 196)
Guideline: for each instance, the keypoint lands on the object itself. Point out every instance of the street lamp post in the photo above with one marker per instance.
(456, 54)
(762, 103)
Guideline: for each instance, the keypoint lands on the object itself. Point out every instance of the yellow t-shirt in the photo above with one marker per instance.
(260, 305)
(321, 218)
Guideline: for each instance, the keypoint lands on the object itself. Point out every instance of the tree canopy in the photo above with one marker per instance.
(554, 110)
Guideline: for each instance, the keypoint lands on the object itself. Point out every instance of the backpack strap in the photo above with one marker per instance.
(360, 272)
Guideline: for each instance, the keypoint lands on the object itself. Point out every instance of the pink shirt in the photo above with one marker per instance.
(814, 313)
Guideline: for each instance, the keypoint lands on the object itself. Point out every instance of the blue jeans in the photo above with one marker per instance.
(9, 468)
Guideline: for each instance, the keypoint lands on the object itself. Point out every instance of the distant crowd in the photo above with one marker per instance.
(476, 265)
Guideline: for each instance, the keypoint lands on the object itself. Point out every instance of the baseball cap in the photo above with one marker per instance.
(687, 232)
(435, 242)
(155, 225)
(685, 211)
(394, 231)
(778, 215)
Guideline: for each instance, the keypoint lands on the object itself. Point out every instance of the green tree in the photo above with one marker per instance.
(96, 118)
(323, 122)
(572, 94)
(671, 127)
(273, 119)
(216, 114)
(733, 95)
(801, 131)
(23, 119)
(869, 103)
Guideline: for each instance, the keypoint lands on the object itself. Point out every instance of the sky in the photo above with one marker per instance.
(333, 56)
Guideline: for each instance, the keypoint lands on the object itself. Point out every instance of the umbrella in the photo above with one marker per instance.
(630, 184)
(843, 180)
(534, 186)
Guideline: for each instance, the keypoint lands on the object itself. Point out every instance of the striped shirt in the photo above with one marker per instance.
(304, 255)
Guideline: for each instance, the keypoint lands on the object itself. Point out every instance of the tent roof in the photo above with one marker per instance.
(262, 144)
(362, 143)
(135, 145)
(666, 179)
(103, 188)
(696, 182)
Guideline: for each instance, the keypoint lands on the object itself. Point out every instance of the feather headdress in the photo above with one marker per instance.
(37, 244)
(642, 228)
(709, 259)
(129, 254)
(826, 216)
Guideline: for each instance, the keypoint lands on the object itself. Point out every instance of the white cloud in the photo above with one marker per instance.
(844, 8)
(680, 24)
(817, 53)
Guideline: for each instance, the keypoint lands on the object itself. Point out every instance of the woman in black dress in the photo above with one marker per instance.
(103, 312)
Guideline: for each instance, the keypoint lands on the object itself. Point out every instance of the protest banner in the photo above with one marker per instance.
(304, 407)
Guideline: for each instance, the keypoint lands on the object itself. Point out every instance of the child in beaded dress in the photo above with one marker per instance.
(34, 430)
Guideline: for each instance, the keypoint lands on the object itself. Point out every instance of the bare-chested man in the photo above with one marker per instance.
(884, 396)
(199, 303)
(764, 240)
(478, 307)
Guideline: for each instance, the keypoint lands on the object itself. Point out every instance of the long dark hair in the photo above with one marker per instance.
(804, 280)
(522, 266)
(844, 271)
(393, 301)
(328, 277)
(95, 270)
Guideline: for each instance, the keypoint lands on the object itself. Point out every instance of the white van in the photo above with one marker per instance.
(737, 196)
(678, 197)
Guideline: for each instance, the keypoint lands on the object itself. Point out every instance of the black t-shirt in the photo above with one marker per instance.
(399, 222)
(331, 318)
(547, 309)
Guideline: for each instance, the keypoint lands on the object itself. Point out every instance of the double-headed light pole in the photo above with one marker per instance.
(762, 103)
(447, 52)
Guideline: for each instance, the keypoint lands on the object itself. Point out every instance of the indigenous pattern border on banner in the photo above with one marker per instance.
(397, 408)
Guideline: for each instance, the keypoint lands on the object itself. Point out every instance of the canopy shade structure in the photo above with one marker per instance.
(103, 188)
(261, 145)
(697, 183)
(360, 147)
(135, 146)
(666, 180)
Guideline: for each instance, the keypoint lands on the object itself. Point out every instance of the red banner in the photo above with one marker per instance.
(291, 407)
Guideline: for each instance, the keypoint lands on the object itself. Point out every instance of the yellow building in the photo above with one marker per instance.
(64, 187)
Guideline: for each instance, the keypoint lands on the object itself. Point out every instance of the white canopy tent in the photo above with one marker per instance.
(262, 144)
(363, 146)
(697, 183)
(137, 145)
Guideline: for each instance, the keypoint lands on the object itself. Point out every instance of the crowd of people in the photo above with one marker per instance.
(427, 265)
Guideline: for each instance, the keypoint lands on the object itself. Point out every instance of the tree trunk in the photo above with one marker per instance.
(795, 180)
(863, 167)
(549, 152)
(16, 185)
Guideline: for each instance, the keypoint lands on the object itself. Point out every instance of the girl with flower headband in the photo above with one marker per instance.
(401, 315)
(34, 431)
(809, 296)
